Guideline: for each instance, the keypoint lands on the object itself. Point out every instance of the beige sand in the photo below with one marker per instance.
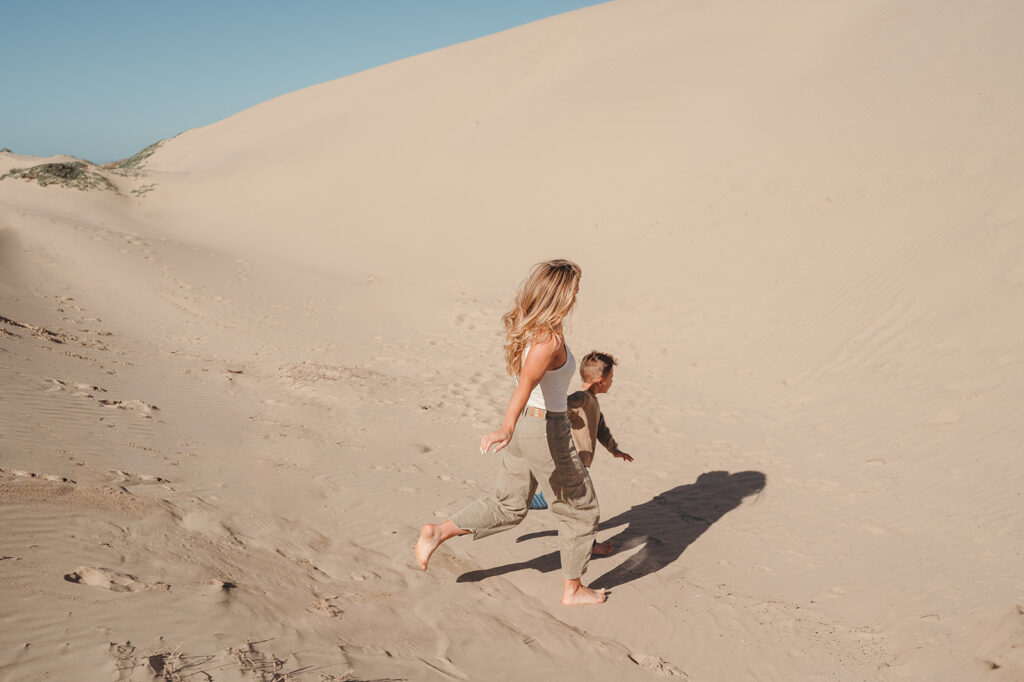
(232, 391)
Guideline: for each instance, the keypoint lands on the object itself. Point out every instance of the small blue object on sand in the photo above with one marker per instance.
(538, 501)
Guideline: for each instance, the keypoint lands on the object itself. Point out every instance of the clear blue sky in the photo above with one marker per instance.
(101, 79)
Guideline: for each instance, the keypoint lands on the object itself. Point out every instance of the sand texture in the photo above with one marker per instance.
(239, 371)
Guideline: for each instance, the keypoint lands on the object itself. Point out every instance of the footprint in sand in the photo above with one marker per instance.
(60, 385)
(327, 607)
(129, 478)
(134, 405)
(20, 473)
(658, 665)
(105, 578)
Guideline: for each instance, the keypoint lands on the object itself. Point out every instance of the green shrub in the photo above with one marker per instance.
(73, 174)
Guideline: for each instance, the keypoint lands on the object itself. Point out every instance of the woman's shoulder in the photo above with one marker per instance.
(545, 337)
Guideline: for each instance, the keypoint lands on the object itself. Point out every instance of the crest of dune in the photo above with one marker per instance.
(795, 133)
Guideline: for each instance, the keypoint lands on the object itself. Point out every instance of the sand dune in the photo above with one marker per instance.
(237, 380)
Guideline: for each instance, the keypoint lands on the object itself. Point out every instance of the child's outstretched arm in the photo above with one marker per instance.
(604, 437)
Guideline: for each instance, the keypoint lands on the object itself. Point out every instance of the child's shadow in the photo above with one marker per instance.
(665, 526)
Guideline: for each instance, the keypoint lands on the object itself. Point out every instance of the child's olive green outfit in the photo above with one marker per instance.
(541, 454)
(588, 429)
(588, 426)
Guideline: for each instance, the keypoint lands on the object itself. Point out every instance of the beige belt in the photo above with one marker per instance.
(535, 412)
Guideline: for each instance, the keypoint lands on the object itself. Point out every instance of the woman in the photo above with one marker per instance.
(540, 452)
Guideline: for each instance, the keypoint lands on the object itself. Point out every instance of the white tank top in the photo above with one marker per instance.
(550, 394)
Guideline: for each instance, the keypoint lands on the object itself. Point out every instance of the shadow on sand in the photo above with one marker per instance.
(664, 527)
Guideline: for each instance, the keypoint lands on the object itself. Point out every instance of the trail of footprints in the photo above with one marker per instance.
(90, 391)
(62, 342)
(119, 477)
(250, 660)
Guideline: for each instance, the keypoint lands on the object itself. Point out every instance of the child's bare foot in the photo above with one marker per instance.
(602, 548)
(576, 593)
(431, 537)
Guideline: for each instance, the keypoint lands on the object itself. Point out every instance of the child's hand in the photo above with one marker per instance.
(622, 455)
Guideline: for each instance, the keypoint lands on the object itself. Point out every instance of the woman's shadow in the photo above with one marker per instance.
(664, 527)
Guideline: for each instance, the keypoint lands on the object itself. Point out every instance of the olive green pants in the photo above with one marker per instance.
(541, 453)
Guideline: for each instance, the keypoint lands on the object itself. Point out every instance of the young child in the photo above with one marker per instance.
(588, 425)
(597, 370)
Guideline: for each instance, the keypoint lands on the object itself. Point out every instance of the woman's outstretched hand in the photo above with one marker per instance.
(498, 439)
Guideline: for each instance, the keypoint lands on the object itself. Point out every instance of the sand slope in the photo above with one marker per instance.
(234, 387)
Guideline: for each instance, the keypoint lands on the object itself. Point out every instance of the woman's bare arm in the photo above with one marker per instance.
(537, 362)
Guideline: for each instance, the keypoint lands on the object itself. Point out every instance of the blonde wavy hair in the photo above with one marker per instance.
(542, 302)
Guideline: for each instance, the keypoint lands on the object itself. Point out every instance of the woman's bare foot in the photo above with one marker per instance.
(576, 593)
(431, 537)
(602, 548)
